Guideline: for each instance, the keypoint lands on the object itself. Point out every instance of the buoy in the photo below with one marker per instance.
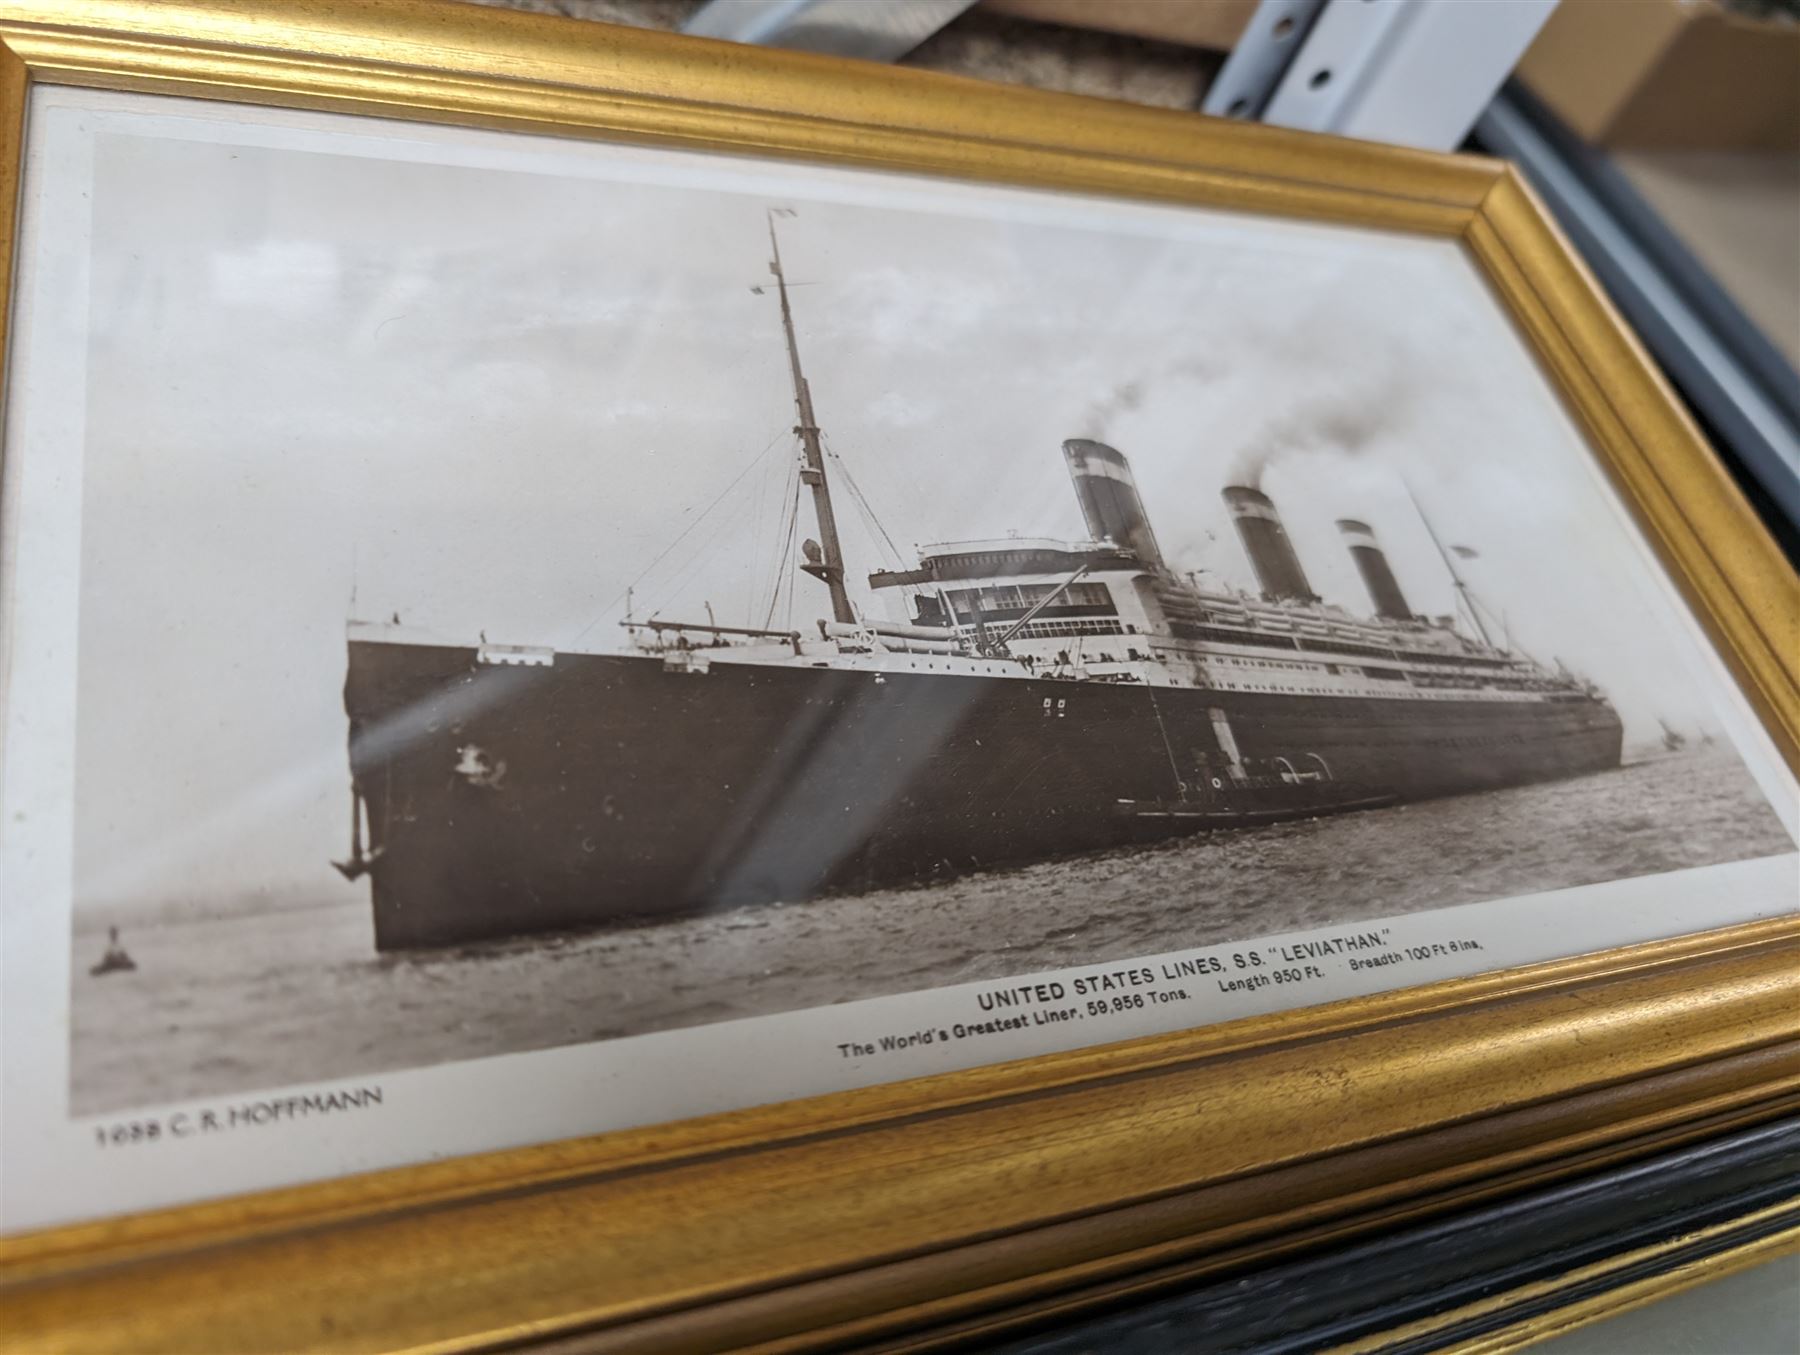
(116, 960)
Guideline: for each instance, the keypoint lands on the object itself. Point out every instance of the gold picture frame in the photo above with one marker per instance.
(960, 1204)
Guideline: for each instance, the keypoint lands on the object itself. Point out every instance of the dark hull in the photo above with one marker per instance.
(506, 800)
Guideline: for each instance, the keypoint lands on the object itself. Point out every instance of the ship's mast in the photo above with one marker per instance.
(830, 566)
(1462, 588)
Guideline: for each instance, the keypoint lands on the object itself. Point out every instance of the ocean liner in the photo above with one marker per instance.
(1025, 698)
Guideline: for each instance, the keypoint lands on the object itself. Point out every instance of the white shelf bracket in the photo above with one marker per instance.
(1409, 72)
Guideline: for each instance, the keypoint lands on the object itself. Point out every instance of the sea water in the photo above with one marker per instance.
(279, 997)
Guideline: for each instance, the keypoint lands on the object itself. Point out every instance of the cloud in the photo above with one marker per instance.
(895, 308)
(898, 410)
(280, 275)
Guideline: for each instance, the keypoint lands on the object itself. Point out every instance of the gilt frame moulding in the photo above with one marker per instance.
(959, 1205)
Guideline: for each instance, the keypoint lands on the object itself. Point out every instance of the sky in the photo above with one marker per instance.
(487, 383)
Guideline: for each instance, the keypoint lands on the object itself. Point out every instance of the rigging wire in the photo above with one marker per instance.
(773, 492)
(699, 559)
(753, 597)
(682, 536)
(862, 501)
(870, 525)
(788, 620)
(872, 522)
(770, 571)
(787, 554)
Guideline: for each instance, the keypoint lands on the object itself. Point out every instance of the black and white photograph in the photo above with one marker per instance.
(540, 594)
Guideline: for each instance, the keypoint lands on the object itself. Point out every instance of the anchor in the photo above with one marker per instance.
(360, 861)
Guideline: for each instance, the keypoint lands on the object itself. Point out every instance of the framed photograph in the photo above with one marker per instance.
(699, 696)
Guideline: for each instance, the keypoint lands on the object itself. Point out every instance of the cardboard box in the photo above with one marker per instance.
(1669, 74)
(1213, 24)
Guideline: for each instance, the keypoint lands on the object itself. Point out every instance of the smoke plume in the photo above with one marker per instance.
(1352, 415)
(1129, 396)
(1122, 399)
(1348, 399)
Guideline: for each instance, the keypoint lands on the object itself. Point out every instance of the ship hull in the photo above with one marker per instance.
(505, 800)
